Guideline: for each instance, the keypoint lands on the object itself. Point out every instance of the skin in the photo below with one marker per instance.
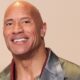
(24, 33)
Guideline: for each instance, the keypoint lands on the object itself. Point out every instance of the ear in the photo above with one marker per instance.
(43, 30)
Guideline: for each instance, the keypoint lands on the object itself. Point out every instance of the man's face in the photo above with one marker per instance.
(21, 32)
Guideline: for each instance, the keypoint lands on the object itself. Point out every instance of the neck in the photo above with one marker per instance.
(32, 67)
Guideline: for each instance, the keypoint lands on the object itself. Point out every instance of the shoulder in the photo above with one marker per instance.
(4, 75)
(70, 69)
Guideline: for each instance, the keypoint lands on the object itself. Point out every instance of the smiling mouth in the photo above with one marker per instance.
(19, 40)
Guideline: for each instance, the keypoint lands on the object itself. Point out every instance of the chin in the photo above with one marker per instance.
(20, 52)
(22, 55)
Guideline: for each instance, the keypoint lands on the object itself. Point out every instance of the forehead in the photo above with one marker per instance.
(16, 12)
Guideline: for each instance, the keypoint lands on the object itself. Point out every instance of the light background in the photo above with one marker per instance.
(63, 28)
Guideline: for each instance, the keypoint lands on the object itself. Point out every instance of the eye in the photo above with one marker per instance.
(9, 23)
(26, 21)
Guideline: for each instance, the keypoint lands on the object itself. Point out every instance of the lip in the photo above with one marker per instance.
(19, 39)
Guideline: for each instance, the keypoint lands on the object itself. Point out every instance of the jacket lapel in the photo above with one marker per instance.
(52, 70)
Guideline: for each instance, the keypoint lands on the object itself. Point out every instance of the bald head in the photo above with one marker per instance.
(29, 8)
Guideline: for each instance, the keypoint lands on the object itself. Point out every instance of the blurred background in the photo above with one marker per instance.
(63, 28)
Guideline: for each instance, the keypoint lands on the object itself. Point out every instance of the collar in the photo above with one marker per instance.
(52, 69)
(12, 71)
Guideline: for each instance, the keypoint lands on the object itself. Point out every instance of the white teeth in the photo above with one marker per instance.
(20, 40)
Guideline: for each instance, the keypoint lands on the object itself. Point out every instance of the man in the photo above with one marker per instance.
(24, 32)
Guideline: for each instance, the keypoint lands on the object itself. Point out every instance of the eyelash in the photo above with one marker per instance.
(26, 21)
(7, 24)
(11, 23)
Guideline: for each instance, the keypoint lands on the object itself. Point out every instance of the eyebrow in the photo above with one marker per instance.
(25, 18)
(21, 18)
(8, 20)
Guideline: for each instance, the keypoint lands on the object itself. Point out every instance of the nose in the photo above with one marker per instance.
(17, 29)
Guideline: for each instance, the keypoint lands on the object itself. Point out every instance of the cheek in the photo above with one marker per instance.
(35, 33)
(36, 36)
(7, 31)
(6, 34)
(31, 31)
